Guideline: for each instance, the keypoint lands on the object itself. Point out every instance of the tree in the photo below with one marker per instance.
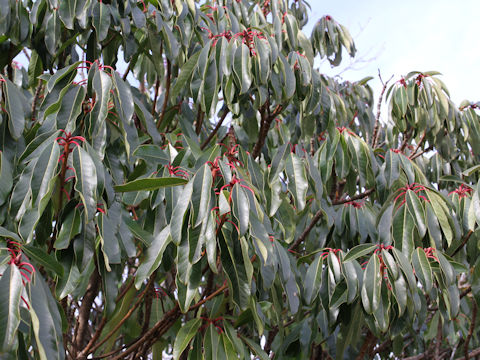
(223, 198)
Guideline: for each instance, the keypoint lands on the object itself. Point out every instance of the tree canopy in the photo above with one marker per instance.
(178, 178)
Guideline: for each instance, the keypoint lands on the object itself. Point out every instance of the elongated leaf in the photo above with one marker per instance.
(202, 192)
(422, 269)
(313, 279)
(241, 208)
(178, 215)
(359, 251)
(14, 107)
(86, 181)
(417, 212)
(403, 225)
(185, 74)
(46, 321)
(149, 184)
(184, 336)
(42, 258)
(297, 180)
(101, 20)
(372, 281)
(10, 294)
(242, 67)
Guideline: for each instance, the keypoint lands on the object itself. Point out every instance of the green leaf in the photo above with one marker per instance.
(417, 212)
(202, 192)
(10, 294)
(185, 74)
(241, 207)
(184, 336)
(234, 267)
(359, 251)
(372, 284)
(403, 225)
(149, 184)
(14, 101)
(85, 181)
(406, 268)
(297, 180)
(178, 215)
(242, 68)
(313, 279)
(422, 269)
(9, 235)
(447, 268)
(256, 348)
(153, 256)
(42, 258)
(46, 321)
(101, 20)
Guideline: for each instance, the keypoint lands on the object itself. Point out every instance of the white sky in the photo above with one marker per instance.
(400, 36)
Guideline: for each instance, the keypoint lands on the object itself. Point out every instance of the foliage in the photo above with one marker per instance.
(221, 198)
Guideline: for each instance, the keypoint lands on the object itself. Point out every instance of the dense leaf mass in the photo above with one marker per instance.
(178, 179)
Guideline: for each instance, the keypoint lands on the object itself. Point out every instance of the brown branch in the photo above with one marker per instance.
(406, 138)
(157, 330)
(199, 120)
(421, 153)
(416, 357)
(217, 127)
(125, 318)
(94, 338)
(84, 311)
(465, 240)
(25, 52)
(438, 340)
(264, 127)
(319, 213)
(211, 296)
(155, 96)
(475, 352)
(418, 145)
(365, 349)
(354, 197)
(309, 228)
(379, 105)
(36, 96)
(470, 331)
(148, 302)
(124, 77)
(167, 93)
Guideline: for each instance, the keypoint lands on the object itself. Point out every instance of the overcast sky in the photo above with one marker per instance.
(400, 36)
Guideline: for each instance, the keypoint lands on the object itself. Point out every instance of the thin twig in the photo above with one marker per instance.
(354, 197)
(125, 318)
(124, 77)
(267, 119)
(421, 153)
(199, 120)
(379, 106)
(85, 308)
(472, 327)
(406, 138)
(155, 96)
(36, 96)
(167, 93)
(465, 240)
(438, 340)
(418, 145)
(211, 296)
(319, 213)
(94, 338)
(305, 233)
(217, 127)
